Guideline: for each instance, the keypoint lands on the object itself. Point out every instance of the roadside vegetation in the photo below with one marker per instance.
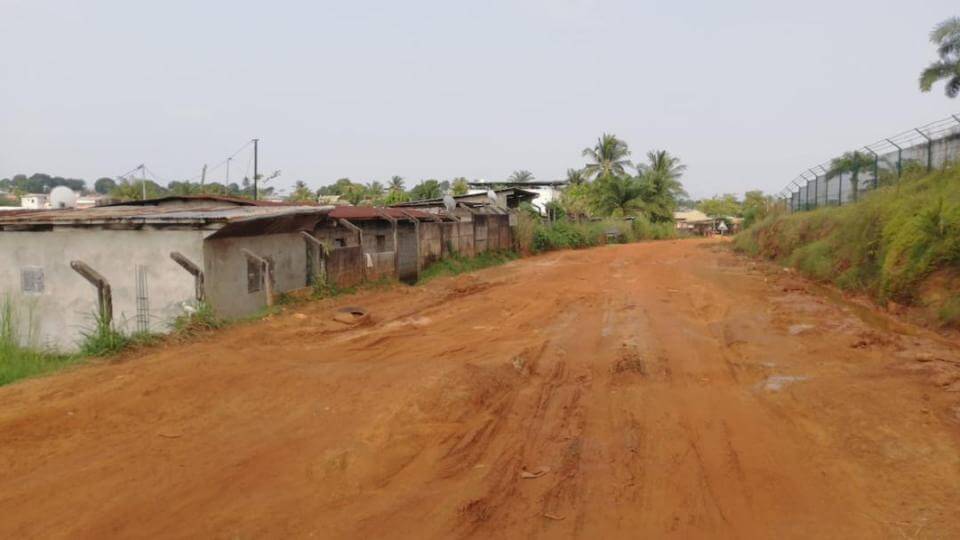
(17, 361)
(898, 244)
(458, 264)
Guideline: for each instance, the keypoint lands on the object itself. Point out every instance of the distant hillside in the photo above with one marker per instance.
(899, 244)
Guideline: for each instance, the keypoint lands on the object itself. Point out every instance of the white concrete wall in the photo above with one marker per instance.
(57, 317)
(225, 267)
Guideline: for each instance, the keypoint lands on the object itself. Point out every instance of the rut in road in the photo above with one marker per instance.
(667, 389)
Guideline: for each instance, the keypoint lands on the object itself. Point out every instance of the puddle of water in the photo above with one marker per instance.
(775, 383)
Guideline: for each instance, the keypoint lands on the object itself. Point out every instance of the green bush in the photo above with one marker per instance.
(201, 320)
(886, 244)
(563, 234)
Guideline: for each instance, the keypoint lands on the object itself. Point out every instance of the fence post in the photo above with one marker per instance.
(876, 167)
(899, 159)
(189, 266)
(929, 149)
(104, 293)
(816, 188)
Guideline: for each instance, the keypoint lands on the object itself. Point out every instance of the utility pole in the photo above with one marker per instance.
(203, 175)
(143, 181)
(228, 171)
(256, 186)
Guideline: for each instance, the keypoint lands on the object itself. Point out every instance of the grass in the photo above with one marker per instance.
(19, 362)
(886, 245)
(536, 237)
(458, 264)
(203, 319)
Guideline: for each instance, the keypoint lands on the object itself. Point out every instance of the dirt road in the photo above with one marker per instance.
(650, 390)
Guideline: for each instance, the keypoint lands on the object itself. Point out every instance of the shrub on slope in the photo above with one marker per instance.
(887, 244)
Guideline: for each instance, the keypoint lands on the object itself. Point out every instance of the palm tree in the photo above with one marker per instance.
(575, 177)
(375, 189)
(618, 195)
(426, 189)
(660, 178)
(946, 36)
(301, 193)
(522, 175)
(850, 162)
(396, 184)
(663, 163)
(608, 158)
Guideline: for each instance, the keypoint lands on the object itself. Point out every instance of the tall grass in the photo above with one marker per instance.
(17, 361)
(534, 236)
(887, 244)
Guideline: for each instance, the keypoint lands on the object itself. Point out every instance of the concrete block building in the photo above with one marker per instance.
(143, 264)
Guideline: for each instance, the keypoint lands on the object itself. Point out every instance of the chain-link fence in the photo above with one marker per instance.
(882, 163)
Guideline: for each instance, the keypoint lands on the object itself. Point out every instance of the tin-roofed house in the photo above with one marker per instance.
(143, 264)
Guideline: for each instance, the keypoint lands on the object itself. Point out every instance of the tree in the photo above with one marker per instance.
(721, 206)
(618, 196)
(104, 185)
(41, 183)
(946, 36)
(396, 197)
(460, 186)
(660, 178)
(339, 187)
(183, 188)
(853, 163)
(575, 177)
(353, 193)
(577, 200)
(396, 184)
(301, 193)
(756, 206)
(130, 190)
(375, 191)
(427, 189)
(607, 158)
(522, 175)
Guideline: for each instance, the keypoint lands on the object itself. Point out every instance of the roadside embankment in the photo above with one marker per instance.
(900, 245)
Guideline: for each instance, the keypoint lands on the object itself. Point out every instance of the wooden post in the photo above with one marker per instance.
(266, 274)
(104, 293)
(189, 266)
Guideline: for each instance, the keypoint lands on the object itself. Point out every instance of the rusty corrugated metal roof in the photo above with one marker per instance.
(156, 215)
(370, 212)
(239, 201)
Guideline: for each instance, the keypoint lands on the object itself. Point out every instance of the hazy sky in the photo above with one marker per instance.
(747, 93)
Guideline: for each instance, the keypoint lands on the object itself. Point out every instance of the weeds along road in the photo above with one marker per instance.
(671, 389)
